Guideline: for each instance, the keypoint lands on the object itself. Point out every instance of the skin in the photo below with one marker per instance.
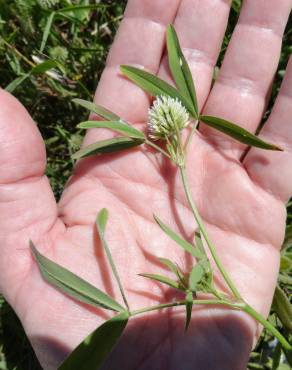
(241, 201)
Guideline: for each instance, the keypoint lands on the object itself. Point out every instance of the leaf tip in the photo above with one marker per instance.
(170, 27)
(102, 218)
(32, 247)
(76, 100)
(156, 218)
(278, 148)
(123, 68)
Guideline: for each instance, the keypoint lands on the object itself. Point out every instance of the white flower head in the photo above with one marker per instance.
(166, 116)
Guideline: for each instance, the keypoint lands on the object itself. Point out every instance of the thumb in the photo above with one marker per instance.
(28, 209)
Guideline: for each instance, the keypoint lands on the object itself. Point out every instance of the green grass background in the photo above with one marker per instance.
(78, 39)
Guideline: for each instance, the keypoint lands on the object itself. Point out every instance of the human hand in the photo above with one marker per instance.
(242, 203)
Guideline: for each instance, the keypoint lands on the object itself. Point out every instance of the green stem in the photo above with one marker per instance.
(205, 234)
(183, 303)
(150, 143)
(18, 53)
(237, 306)
(249, 310)
(189, 138)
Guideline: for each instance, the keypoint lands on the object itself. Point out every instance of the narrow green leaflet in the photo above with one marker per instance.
(92, 352)
(179, 68)
(236, 132)
(162, 279)
(283, 308)
(170, 265)
(97, 109)
(176, 270)
(155, 86)
(71, 284)
(189, 307)
(118, 126)
(17, 82)
(101, 222)
(107, 146)
(199, 243)
(196, 276)
(188, 247)
(204, 261)
(47, 31)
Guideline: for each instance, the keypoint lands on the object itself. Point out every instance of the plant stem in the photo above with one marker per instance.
(249, 310)
(183, 303)
(150, 143)
(205, 234)
(237, 306)
(18, 53)
(189, 138)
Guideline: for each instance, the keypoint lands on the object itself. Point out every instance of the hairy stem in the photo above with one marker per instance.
(183, 303)
(191, 134)
(233, 305)
(244, 307)
(205, 234)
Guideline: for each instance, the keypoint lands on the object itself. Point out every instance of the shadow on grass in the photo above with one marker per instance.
(16, 349)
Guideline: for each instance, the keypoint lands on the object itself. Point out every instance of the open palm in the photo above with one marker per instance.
(241, 201)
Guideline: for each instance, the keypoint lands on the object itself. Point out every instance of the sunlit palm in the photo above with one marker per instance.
(242, 203)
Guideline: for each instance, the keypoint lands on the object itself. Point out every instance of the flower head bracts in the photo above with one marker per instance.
(167, 116)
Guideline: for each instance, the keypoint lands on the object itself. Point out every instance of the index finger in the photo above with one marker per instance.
(139, 41)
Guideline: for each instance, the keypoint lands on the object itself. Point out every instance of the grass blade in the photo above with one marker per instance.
(277, 356)
(91, 353)
(188, 247)
(118, 126)
(77, 8)
(288, 355)
(73, 285)
(155, 86)
(15, 83)
(283, 308)
(162, 279)
(236, 132)
(107, 146)
(179, 68)
(97, 109)
(101, 222)
(47, 31)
